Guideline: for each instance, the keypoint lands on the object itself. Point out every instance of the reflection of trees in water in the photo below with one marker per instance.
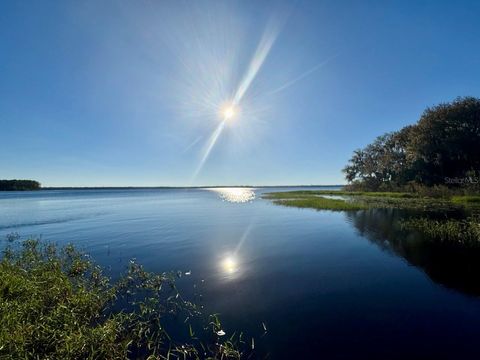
(454, 266)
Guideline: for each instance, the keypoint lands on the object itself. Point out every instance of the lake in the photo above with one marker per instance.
(332, 285)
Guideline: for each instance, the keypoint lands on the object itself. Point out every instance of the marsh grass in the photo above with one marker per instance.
(320, 200)
(320, 203)
(449, 230)
(350, 200)
(55, 303)
(420, 203)
(455, 231)
(466, 199)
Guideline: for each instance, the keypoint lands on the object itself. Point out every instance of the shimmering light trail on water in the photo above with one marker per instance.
(235, 194)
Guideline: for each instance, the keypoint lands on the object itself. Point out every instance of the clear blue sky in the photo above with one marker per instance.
(128, 92)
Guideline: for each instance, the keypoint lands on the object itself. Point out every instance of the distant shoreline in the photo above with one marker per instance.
(180, 187)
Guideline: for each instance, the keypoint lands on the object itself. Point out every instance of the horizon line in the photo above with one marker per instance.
(179, 187)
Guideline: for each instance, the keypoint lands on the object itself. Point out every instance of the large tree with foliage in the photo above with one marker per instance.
(445, 143)
(382, 162)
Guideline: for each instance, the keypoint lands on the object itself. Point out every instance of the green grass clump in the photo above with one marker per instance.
(465, 231)
(466, 199)
(57, 304)
(321, 203)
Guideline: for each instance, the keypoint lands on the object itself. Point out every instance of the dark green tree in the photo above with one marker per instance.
(19, 185)
(444, 144)
(383, 162)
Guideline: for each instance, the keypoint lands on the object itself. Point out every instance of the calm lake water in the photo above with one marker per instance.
(331, 285)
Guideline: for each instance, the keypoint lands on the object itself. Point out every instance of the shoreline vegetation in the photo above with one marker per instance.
(342, 200)
(460, 231)
(19, 185)
(56, 303)
(432, 166)
(439, 153)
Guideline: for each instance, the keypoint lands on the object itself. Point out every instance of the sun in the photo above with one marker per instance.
(228, 111)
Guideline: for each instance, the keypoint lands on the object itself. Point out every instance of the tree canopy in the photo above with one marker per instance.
(443, 145)
(19, 185)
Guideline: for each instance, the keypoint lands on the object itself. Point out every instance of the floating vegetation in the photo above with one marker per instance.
(463, 231)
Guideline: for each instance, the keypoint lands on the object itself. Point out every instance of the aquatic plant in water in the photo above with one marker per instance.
(459, 231)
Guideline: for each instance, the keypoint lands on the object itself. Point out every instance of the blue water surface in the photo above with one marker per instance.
(331, 285)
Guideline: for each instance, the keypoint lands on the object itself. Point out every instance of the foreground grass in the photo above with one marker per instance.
(57, 304)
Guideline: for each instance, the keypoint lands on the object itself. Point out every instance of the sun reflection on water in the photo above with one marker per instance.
(235, 195)
(229, 265)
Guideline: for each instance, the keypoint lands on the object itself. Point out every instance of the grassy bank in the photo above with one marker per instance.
(344, 200)
(355, 200)
(320, 203)
(57, 304)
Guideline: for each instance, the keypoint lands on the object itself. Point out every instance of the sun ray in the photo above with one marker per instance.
(192, 144)
(210, 144)
(300, 77)
(230, 110)
(263, 49)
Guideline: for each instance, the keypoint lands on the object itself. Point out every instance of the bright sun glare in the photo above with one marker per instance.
(228, 112)
(229, 265)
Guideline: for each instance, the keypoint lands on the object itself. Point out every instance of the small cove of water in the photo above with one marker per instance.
(335, 284)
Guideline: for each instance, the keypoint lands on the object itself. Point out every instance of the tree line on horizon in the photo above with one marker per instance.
(441, 150)
(19, 185)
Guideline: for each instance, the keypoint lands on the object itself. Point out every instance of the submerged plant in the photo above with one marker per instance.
(56, 303)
